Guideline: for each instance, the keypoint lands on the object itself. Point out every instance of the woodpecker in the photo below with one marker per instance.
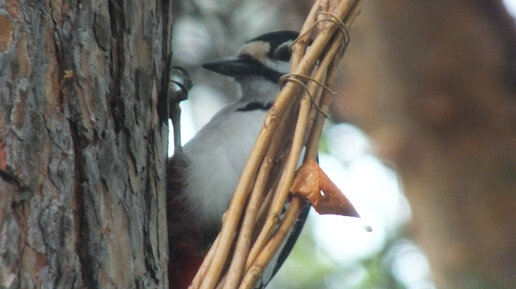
(203, 175)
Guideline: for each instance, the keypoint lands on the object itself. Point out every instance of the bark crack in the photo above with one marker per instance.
(82, 246)
(12, 179)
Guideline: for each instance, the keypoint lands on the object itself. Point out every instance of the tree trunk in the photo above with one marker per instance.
(83, 144)
(433, 84)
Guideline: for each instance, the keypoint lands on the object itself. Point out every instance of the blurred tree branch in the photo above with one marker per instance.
(433, 83)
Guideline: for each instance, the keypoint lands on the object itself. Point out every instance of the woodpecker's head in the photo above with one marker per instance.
(266, 56)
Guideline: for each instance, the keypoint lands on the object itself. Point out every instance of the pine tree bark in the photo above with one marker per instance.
(433, 84)
(83, 143)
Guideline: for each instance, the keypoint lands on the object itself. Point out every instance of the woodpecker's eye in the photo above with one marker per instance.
(282, 53)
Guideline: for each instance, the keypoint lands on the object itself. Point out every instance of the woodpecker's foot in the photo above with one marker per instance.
(180, 82)
(314, 185)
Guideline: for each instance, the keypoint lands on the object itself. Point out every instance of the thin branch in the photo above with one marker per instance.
(304, 100)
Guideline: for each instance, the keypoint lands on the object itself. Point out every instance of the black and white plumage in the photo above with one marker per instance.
(203, 177)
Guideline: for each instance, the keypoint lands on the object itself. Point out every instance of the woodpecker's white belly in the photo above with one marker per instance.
(216, 158)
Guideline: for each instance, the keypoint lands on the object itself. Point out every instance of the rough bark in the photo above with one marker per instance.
(83, 143)
(433, 84)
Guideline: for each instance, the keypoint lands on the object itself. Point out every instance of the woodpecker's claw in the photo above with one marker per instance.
(314, 185)
(180, 82)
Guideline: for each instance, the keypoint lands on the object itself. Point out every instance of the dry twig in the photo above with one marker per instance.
(304, 99)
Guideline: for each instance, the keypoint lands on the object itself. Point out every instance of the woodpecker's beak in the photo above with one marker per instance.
(234, 66)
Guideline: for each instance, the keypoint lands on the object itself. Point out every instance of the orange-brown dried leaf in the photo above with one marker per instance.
(315, 186)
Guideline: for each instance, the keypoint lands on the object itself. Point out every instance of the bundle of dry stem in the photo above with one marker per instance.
(295, 120)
